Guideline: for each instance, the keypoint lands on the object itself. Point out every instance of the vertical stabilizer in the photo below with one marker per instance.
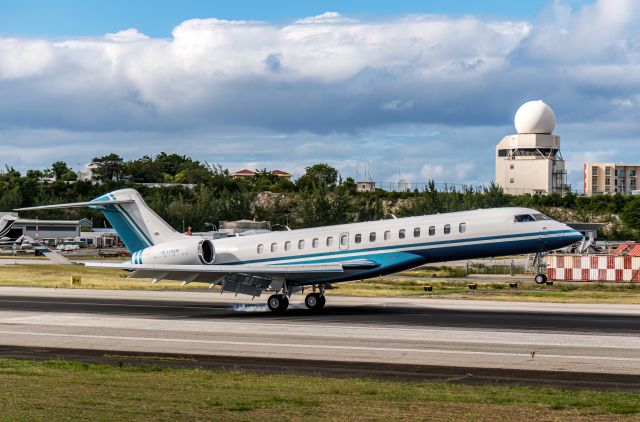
(137, 225)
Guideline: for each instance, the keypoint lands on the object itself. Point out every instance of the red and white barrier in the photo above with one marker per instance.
(593, 268)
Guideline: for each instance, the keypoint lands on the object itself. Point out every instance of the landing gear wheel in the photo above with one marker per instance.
(540, 279)
(314, 301)
(278, 303)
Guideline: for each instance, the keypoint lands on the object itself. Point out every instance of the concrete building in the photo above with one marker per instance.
(530, 161)
(610, 178)
(50, 232)
(366, 186)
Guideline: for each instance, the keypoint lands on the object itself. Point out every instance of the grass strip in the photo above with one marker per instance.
(66, 390)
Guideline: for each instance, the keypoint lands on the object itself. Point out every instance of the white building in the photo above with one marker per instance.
(530, 161)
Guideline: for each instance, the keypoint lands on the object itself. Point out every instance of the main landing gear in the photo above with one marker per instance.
(315, 301)
(278, 303)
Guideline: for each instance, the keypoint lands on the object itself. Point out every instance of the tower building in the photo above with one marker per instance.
(530, 161)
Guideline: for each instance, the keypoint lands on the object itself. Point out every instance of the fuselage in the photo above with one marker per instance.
(383, 247)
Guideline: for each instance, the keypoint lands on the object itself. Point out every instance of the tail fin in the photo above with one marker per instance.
(137, 225)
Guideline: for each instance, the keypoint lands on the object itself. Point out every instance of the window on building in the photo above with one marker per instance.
(260, 248)
(344, 239)
(594, 189)
(462, 227)
(287, 245)
(512, 166)
(594, 180)
(432, 230)
(416, 232)
(503, 152)
(274, 247)
(607, 181)
(300, 244)
(607, 171)
(329, 241)
(511, 180)
(621, 172)
(358, 238)
(447, 228)
(594, 171)
(387, 235)
(401, 234)
(632, 173)
(315, 242)
(632, 182)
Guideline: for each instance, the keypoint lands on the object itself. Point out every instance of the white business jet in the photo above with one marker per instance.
(290, 261)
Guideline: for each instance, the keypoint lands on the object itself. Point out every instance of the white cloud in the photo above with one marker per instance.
(400, 92)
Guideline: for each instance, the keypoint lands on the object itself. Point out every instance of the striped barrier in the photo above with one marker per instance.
(593, 268)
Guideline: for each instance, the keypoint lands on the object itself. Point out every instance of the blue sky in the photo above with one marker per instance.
(157, 18)
(418, 90)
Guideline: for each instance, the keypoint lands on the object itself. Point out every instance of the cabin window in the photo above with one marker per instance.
(315, 242)
(274, 247)
(344, 239)
(358, 238)
(329, 241)
(462, 227)
(260, 248)
(523, 218)
(300, 244)
(447, 228)
(387, 235)
(287, 245)
(401, 234)
(416, 232)
(432, 230)
(372, 237)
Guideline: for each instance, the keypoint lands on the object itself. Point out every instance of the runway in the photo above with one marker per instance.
(509, 336)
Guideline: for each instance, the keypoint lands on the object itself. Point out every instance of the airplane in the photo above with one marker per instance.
(287, 262)
(6, 222)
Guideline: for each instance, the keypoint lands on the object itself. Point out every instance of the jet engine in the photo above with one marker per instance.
(192, 251)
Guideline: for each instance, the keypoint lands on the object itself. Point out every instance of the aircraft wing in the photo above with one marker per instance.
(245, 279)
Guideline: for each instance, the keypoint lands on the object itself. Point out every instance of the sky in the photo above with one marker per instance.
(405, 89)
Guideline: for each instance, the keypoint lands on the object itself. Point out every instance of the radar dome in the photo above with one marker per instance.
(535, 117)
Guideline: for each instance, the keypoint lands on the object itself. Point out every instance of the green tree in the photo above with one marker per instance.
(630, 214)
(107, 168)
(318, 175)
(59, 168)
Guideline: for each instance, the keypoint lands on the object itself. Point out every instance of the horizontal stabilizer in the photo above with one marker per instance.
(76, 205)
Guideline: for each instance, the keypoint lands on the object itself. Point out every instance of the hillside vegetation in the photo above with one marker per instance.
(319, 197)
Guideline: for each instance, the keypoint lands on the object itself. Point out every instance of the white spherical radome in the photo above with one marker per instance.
(535, 117)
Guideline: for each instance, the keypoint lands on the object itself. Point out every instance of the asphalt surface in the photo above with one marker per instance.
(572, 344)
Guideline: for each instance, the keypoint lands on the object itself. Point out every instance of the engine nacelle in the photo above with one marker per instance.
(192, 251)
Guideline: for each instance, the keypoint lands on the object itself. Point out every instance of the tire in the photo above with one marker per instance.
(275, 303)
(540, 279)
(284, 303)
(311, 301)
(321, 302)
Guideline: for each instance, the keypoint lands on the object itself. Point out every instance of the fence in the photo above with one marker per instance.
(612, 268)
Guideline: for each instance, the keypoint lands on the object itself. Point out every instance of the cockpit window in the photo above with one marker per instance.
(540, 217)
(523, 218)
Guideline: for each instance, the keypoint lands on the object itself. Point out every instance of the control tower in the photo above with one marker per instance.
(530, 161)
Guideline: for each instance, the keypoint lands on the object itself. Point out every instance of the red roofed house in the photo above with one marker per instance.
(243, 173)
(281, 173)
(250, 173)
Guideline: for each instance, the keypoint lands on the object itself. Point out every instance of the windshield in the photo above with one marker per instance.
(540, 217)
(523, 218)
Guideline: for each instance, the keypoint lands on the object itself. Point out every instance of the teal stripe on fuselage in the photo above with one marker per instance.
(414, 247)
